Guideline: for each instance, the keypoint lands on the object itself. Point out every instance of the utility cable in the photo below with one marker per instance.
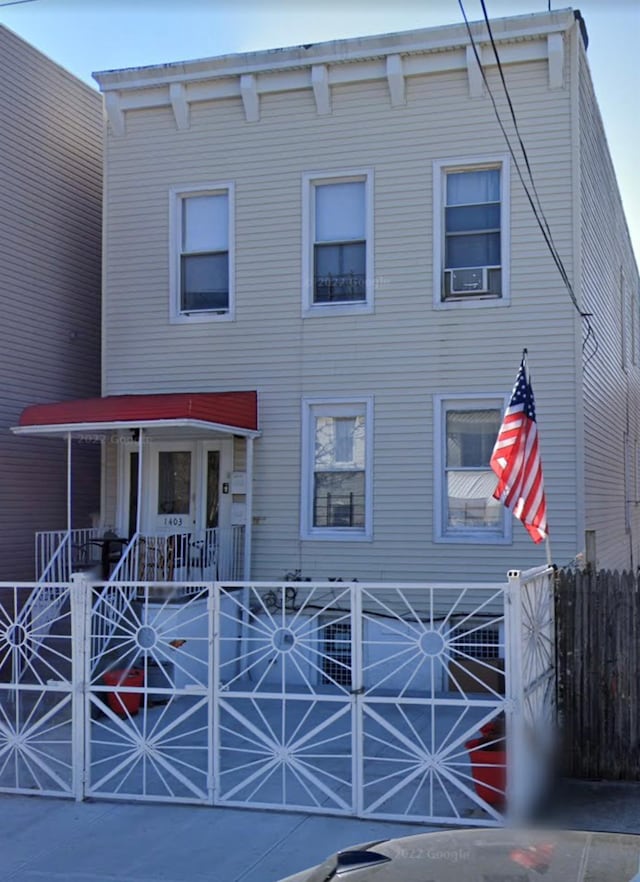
(16, 3)
(536, 208)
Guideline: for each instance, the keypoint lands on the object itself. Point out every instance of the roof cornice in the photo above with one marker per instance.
(321, 65)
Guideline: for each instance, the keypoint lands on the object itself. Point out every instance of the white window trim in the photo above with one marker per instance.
(176, 195)
(440, 167)
(471, 401)
(335, 407)
(309, 180)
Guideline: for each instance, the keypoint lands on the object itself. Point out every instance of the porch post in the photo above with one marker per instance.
(69, 482)
(139, 505)
(246, 575)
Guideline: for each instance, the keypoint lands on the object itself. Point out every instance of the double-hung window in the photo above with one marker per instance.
(336, 480)
(466, 431)
(202, 253)
(471, 226)
(338, 255)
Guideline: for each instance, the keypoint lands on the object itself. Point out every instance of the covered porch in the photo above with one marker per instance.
(176, 487)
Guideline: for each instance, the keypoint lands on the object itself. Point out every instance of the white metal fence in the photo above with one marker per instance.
(339, 698)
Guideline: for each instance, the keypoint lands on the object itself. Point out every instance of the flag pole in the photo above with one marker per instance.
(547, 545)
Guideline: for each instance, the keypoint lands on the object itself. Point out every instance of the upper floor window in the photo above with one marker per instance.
(202, 253)
(470, 232)
(336, 470)
(338, 255)
(466, 431)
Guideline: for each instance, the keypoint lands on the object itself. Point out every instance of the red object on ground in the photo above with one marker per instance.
(488, 768)
(124, 703)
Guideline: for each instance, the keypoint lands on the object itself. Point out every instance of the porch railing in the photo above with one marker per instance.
(183, 557)
(54, 552)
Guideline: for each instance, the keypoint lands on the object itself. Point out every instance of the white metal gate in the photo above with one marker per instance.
(339, 698)
(41, 718)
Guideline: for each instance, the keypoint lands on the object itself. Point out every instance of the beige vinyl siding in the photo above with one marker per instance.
(50, 203)
(402, 354)
(611, 382)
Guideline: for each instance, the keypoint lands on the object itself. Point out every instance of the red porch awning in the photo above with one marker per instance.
(231, 412)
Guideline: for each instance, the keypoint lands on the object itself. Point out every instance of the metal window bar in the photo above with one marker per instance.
(336, 659)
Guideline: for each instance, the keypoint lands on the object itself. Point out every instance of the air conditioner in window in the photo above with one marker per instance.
(469, 281)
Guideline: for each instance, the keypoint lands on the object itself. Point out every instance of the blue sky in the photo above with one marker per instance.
(88, 35)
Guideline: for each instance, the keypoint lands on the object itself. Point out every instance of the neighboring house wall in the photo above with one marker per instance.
(50, 227)
(404, 353)
(611, 381)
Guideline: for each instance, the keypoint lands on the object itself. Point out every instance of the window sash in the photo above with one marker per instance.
(340, 211)
(339, 499)
(473, 186)
(336, 464)
(202, 252)
(469, 435)
(204, 281)
(338, 241)
(348, 281)
(205, 223)
(472, 218)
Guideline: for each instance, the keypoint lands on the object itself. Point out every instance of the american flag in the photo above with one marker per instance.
(516, 459)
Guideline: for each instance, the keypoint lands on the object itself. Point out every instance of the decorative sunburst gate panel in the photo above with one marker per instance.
(285, 725)
(148, 705)
(432, 674)
(40, 716)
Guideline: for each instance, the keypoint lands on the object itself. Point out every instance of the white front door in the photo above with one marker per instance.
(187, 487)
(171, 501)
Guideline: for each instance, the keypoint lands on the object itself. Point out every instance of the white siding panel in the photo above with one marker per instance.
(50, 221)
(402, 354)
(611, 386)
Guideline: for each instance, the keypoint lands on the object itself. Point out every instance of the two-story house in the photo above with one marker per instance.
(320, 269)
(50, 253)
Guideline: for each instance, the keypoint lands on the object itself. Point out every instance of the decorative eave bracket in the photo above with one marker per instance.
(250, 97)
(178, 98)
(115, 113)
(555, 51)
(321, 90)
(474, 72)
(395, 80)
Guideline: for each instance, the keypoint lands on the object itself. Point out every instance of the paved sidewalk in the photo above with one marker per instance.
(46, 839)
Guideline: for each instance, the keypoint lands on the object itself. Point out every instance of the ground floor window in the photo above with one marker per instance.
(336, 470)
(466, 430)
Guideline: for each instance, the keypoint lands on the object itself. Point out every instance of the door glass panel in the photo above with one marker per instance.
(213, 479)
(174, 481)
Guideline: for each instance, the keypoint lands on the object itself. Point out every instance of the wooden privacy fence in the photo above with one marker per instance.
(598, 663)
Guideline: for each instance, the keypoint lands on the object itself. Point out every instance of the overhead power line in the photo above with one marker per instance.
(16, 3)
(530, 188)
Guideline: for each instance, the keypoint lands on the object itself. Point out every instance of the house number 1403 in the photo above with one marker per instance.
(173, 521)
